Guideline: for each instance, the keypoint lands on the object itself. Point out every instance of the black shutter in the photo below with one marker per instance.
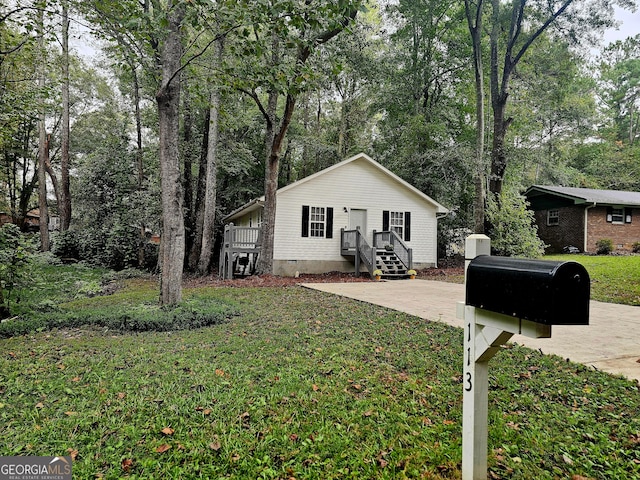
(627, 215)
(609, 214)
(407, 226)
(329, 227)
(305, 220)
(385, 221)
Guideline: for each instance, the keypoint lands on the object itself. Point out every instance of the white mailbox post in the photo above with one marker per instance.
(485, 329)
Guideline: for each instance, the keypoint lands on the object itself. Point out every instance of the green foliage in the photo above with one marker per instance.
(514, 233)
(15, 263)
(604, 246)
(636, 247)
(190, 314)
(287, 389)
(75, 295)
(66, 245)
(115, 248)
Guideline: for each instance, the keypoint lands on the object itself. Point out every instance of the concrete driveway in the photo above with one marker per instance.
(611, 341)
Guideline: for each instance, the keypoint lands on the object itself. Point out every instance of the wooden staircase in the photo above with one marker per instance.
(390, 265)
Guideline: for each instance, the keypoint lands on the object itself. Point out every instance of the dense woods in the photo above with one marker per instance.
(188, 109)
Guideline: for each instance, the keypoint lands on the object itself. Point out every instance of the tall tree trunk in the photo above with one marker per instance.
(168, 100)
(139, 156)
(64, 201)
(274, 147)
(43, 145)
(209, 220)
(187, 181)
(271, 167)
(515, 48)
(474, 20)
(271, 171)
(194, 253)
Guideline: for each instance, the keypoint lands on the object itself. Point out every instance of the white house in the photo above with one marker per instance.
(344, 217)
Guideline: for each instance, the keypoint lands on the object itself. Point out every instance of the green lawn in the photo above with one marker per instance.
(305, 385)
(614, 279)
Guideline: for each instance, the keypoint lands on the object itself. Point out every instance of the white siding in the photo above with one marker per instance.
(357, 184)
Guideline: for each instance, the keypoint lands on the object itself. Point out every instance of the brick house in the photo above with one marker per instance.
(581, 216)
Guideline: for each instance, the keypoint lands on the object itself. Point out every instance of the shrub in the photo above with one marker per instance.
(636, 247)
(115, 248)
(193, 313)
(514, 231)
(604, 246)
(15, 265)
(66, 245)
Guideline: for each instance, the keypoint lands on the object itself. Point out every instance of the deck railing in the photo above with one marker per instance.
(402, 251)
(236, 241)
(352, 242)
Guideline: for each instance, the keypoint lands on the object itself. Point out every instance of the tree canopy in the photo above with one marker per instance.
(224, 100)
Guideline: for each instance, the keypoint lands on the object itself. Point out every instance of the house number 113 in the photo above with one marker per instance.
(468, 386)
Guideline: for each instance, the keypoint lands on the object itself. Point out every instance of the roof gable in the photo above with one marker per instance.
(361, 157)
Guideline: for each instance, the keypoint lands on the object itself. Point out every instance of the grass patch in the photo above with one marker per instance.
(71, 296)
(614, 279)
(308, 385)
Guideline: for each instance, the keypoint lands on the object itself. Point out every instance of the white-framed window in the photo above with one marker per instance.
(396, 223)
(256, 220)
(617, 215)
(399, 222)
(317, 221)
(553, 217)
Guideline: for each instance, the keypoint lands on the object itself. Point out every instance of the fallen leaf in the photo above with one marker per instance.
(72, 453)
(127, 463)
(39, 405)
(368, 413)
(121, 395)
(75, 379)
(315, 387)
(382, 462)
(69, 414)
(215, 445)
(293, 437)
(235, 457)
(448, 422)
(566, 459)
(168, 431)
(207, 411)
(163, 448)
(219, 372)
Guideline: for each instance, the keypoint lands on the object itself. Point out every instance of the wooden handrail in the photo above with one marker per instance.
(402, 251)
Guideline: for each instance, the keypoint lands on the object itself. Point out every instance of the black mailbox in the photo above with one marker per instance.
(542, 291)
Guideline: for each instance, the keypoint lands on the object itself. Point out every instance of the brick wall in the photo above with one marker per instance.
(568, 231)
(624, 235)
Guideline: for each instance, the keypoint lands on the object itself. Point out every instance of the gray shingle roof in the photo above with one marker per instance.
(589, 195)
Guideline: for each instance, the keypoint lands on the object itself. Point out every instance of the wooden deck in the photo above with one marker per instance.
(388, 253)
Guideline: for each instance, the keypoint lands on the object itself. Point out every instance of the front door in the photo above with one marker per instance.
(358, 219)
